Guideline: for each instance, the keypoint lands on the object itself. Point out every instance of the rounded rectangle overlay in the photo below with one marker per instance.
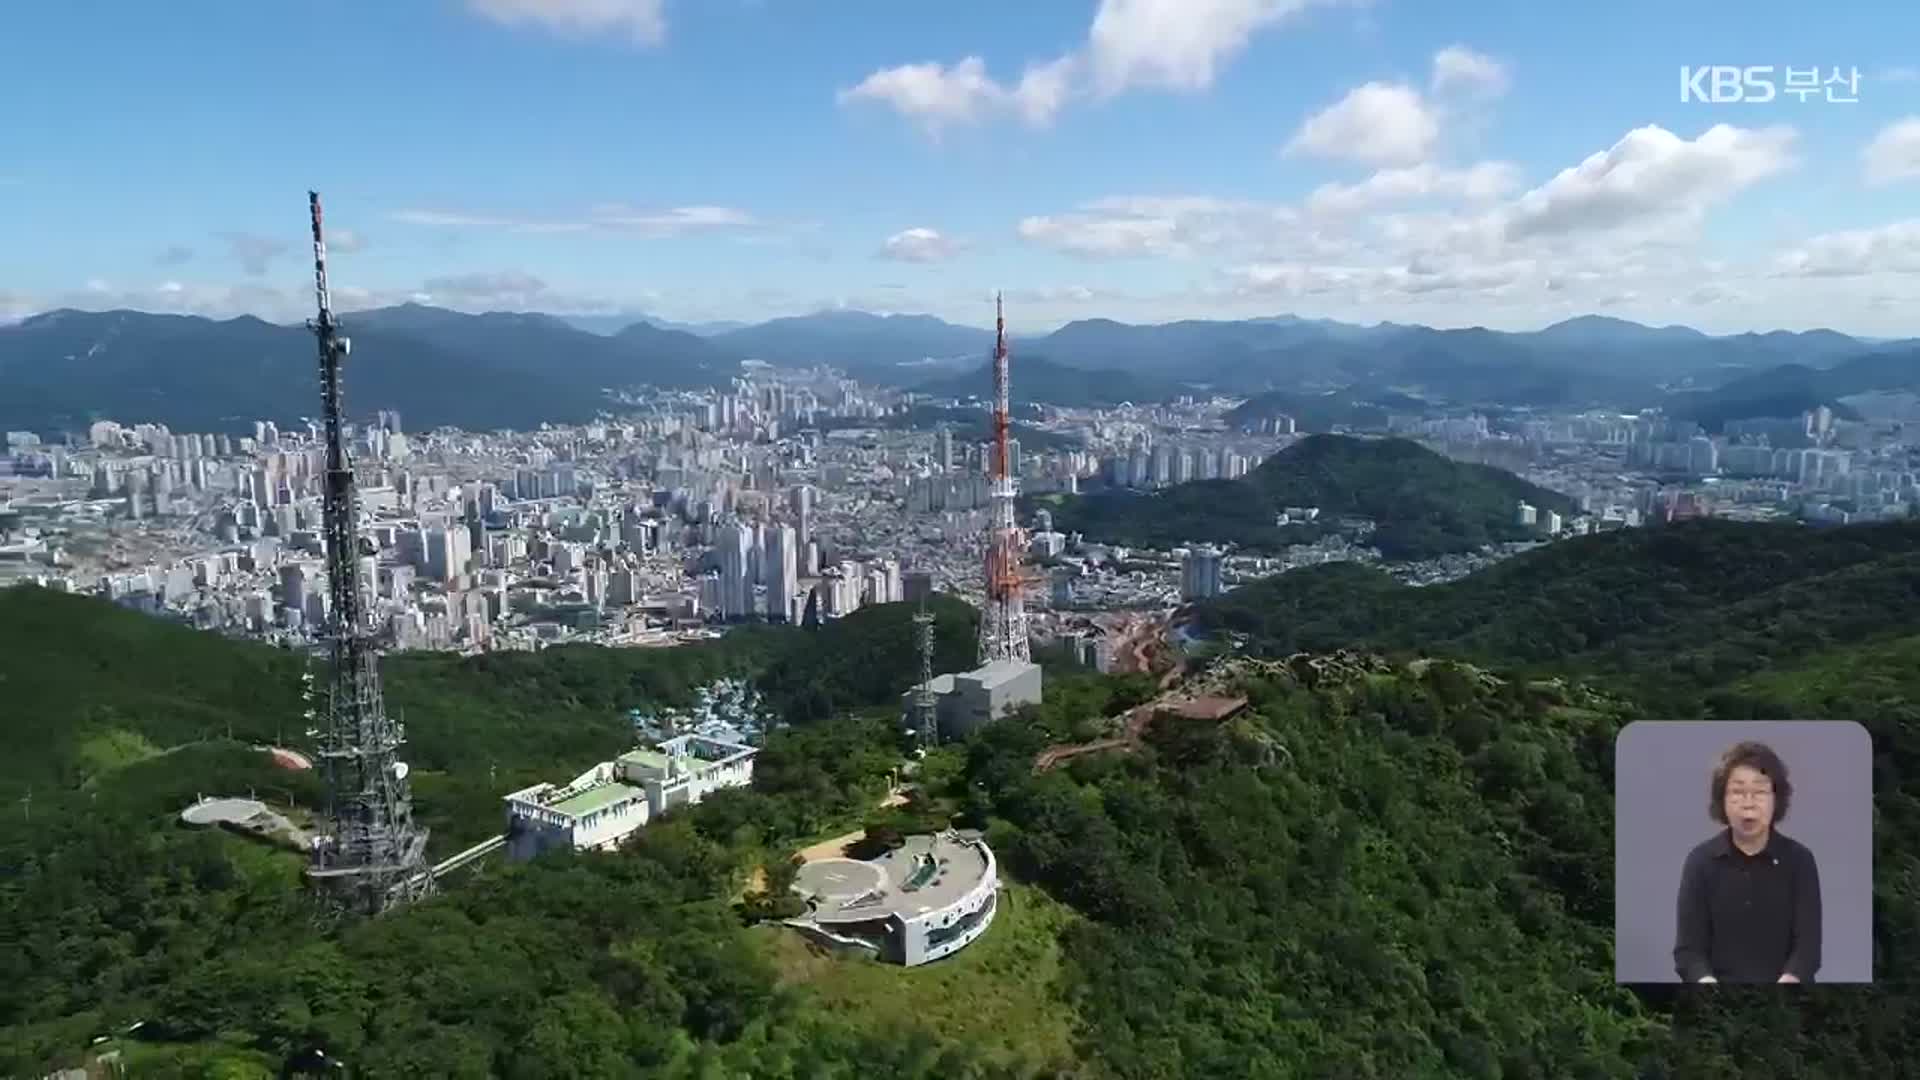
(1690, 895)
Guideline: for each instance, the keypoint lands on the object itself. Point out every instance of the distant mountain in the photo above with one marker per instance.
(498, 369)
(1324, 411)
(61, 369)
(612, 324)
(1590, 360)
(1037, 380)
(1792, 389)
(1191, 345)
(874, 346)
(1591, 331)
(1423, 504)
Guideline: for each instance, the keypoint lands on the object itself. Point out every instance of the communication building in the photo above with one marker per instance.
(968, 700)
(927, 899)
(607, 803)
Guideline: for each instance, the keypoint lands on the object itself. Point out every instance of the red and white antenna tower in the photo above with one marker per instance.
(1003, 620)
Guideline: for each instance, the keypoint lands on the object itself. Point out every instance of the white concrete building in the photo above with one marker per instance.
(967, 701)
(604, 805)
(925, 900)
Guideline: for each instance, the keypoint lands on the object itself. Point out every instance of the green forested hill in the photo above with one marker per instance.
(1358, 878)
(1703, 620)
(1654, 591)
(1422, 503)
(1385, 867)
(90, 688)
(87, 687)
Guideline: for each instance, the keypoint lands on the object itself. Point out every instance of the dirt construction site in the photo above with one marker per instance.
(1142, 646)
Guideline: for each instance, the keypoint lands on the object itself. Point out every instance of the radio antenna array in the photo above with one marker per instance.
(926, 704)
(373, 857)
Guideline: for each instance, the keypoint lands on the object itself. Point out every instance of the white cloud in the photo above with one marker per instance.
(505, 290)
(1299, 279)
(1062, 295)
(1418, 277)
(1457, 66)
(642, 20)
(1043, 90)
(252, 251)
(176, 297)
(931, 94)
(1713, 293)
(1103, 237)
(1165, 44)
(1136, 226)
(1625, 221)
(1377, 124)
(1175, 44)
(1650, 177)
(15, 306)
(1893, 248)
(935, 95)
(1894, 154)
(1486, 180)
(677, 220)
(919, 245)
(607, 217)
(345, 241)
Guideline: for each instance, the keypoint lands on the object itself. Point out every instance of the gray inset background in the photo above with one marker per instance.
(1662, 771)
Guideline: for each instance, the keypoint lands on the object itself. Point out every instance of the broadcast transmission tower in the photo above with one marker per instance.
(926, 704)
(373, 857)
(1003, 619)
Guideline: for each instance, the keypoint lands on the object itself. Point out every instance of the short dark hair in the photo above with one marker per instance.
(1761, 758)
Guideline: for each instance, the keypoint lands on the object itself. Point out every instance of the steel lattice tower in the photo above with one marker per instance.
(926, 704)
(1003, 621)
(374, 856)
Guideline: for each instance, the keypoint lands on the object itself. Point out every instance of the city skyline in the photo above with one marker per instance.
(1358, 161)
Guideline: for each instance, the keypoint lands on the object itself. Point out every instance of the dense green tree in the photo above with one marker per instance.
(1395, 862)
(1421, 503)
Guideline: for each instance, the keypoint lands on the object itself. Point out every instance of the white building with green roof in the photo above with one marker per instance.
(607, 803)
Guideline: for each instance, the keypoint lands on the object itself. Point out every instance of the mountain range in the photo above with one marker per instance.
(613, 324)
(62, 368)
(1043, 382)
(883, 347)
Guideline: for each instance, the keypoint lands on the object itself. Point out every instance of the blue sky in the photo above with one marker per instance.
(1134, 159)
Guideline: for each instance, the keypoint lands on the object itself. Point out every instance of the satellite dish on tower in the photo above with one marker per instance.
(400, 769)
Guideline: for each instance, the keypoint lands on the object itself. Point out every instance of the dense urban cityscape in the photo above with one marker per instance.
(665, 524)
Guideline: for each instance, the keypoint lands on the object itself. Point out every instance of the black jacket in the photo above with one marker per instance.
(1748, 918)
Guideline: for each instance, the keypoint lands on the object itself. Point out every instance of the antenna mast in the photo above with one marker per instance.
(926, 704)
(1003, 622)
(373, 856)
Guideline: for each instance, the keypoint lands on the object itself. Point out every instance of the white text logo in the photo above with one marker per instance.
(1725, 84)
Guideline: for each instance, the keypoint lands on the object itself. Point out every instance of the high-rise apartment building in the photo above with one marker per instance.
(1200, 573)
(781, 561)
(736, 580)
